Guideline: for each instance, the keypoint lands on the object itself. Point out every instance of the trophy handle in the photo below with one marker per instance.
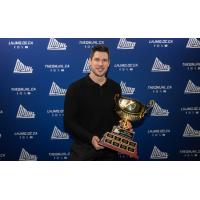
(149, 106)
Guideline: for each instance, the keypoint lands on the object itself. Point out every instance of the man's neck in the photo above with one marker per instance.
(99, 80)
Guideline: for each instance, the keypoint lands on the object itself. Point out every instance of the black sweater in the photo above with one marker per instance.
(89, 108)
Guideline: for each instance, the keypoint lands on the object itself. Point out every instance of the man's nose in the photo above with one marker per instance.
(101, 62)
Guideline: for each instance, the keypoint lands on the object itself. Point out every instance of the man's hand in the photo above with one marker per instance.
(95, 143)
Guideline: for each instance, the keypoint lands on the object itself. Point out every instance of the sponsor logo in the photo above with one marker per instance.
(158, 66)
(158, 132)
(190, 153)
(193, 43)
(24, 113)
(55, 45)
(161, 43)
(0, 135)
(158, 111)
(57, 68)
(124, 44)
(190, 132)
(192, 66)
(26, 135)
(126, 90)
(158, 154)
(56, 90)
(159, 88)
(90, 43)
(55, 112)
(86, 68)
(20, 44)
(191, 88)
(192, 110)
(20, 68)
(23, 91)
(1, 112)
(125, 67)
(2, 156)
(25, 156)
(59, 155)
(57, 134)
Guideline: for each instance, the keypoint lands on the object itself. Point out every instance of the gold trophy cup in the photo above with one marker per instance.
(121, 138)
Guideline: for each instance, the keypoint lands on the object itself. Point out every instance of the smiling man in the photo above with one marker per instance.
(89, 109)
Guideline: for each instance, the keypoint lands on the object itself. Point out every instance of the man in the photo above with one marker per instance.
(89, 109)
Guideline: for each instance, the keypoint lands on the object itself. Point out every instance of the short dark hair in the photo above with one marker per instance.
(101, 48)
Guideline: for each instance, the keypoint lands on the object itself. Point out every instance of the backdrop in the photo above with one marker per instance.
(35, 75)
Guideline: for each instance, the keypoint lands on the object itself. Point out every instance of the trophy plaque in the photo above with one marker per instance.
(121, 139)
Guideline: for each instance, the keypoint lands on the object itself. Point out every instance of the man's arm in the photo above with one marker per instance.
(70, 116)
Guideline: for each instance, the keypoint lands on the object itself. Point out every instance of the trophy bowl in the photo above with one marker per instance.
(129, 109)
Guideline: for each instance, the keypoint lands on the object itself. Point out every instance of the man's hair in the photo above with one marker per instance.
(101, 48)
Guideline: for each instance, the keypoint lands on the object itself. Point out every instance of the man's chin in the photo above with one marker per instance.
(100, 74)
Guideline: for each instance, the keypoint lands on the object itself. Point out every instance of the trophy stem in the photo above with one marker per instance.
(124, 124)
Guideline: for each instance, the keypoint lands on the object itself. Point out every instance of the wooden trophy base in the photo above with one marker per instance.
(120, 140)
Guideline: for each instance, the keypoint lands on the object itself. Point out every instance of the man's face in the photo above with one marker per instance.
(99, 63)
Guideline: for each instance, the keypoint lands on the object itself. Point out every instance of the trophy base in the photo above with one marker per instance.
(121, 141)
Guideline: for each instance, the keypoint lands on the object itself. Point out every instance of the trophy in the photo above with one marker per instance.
(121, 139)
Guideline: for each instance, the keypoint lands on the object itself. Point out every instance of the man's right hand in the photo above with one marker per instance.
(95, 143)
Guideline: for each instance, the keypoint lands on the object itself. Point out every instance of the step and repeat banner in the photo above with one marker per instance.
(35, 75)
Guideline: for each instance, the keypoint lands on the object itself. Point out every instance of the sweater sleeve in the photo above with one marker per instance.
(119, 91)
(71, 109)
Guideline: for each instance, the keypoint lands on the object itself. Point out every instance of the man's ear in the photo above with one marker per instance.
(90, 60)
(108, 63)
